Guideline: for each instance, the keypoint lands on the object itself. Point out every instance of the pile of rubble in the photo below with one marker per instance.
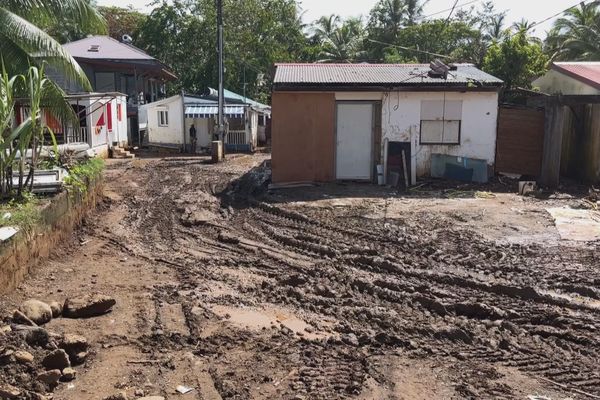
(34, 360)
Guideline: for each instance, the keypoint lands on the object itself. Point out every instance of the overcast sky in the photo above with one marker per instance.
(532, 10)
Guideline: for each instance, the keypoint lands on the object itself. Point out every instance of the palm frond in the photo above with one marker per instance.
(25, 44)
(40, 12)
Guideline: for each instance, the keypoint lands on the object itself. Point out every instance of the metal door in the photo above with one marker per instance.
(354, 141)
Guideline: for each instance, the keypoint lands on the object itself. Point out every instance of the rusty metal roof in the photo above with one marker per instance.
(378, 75)
(586, 72)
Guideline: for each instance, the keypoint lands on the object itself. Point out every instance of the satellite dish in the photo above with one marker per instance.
(126, 39)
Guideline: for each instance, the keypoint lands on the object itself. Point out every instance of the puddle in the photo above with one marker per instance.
(257, 319)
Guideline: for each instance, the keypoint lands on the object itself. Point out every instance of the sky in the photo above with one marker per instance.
(531, 10)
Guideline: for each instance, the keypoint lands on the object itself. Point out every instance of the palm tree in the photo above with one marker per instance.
(23, 43)
(325, 26)
(494, 30)
(576, 36)
(522, 26)
(344, 44)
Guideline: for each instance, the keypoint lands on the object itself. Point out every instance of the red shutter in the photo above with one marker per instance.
(109, 115)
(120, 112)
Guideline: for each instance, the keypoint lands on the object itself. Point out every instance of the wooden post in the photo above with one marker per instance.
(553, 134)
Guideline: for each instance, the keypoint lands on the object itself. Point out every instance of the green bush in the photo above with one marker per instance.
(24, 213)
(81, 174)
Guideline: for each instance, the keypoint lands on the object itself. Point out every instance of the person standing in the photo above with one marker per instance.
(193, 138)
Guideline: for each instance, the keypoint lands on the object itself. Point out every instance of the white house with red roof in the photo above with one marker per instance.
(571, 78)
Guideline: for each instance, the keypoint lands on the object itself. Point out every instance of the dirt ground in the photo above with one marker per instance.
(333, 292)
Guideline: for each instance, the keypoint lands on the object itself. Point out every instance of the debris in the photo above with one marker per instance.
(184, 389)
(75, 346)
(56, 308)
(7, 216)
(527, 187)
(19, 317)
(88, 306)
(58, 359)
(68, 374)
(6, 232)
(50, 378)
(9, 392)
(33, 335)
(117, 396)
(152, 398)
(37, 311)
(23, 357)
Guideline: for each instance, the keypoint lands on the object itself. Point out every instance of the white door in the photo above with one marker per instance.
(354, 141)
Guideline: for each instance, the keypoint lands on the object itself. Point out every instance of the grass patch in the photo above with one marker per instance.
(24, 213)
(81, 174)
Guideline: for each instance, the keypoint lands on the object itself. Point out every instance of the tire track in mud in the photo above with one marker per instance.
(418, 285)
(544, 348)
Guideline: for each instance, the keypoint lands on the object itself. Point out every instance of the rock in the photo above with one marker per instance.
(33, 335)
(75, 346)
(37, 396)
(9, 392)
(118, 396)
(37, 311)
(68, 374)
(88, 306)
(56, 308)
(23, 357)
(152, 398)
(5, 329)
(58, 359)
(50, 378)
(21, 318)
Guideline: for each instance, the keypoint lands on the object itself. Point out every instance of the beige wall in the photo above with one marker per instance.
(555, 82)
(303, 139)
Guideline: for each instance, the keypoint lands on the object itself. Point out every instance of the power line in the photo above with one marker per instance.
(449, 9)
(408, 48)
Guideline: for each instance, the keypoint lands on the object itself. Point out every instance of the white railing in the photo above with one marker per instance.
(77, 135)
(236, 137)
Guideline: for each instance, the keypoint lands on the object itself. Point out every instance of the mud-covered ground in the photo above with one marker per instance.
(336, 292)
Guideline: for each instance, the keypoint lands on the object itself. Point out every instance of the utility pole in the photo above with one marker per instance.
(221, 122)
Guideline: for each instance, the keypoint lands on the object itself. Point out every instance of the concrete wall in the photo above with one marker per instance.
(171, 135)
(555, 82)
(401, 121)
(303, 140)
(20, 255)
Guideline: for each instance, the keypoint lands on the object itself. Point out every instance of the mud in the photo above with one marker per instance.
(245, 294)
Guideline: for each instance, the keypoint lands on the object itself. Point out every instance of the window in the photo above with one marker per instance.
(441, 121)
(163, 118)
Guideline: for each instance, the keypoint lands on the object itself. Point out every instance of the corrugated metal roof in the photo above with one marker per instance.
(377, 74)
(200, 111)
(587, 72)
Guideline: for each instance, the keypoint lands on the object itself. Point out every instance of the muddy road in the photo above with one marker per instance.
(263, 297)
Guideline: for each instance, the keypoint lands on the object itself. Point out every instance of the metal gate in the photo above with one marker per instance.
(520, 140)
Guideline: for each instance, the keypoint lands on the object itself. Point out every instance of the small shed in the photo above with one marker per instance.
(166, 123)
(347, 121)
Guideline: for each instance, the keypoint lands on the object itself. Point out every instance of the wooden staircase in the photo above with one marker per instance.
(119, 152)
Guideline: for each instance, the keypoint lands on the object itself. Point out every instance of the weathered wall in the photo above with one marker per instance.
(581, 143)
(520, 141)
(20, 255)
(401, 121)
(555, 82)
(303, 139)
(166, 135)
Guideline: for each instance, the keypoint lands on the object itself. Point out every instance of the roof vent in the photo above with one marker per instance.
(94, 48)
(126, 39)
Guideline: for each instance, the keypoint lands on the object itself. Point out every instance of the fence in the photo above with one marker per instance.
(236, 137)
(77, 135)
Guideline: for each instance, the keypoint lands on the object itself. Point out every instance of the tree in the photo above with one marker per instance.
(430, 39)
(122, 21)
(576, 36)
(386, 20)
(339, 40)
(23, 43)
(518, 59)
(183, 34)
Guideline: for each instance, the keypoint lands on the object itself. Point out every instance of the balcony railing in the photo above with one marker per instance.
(77, 135)
(236, 137)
